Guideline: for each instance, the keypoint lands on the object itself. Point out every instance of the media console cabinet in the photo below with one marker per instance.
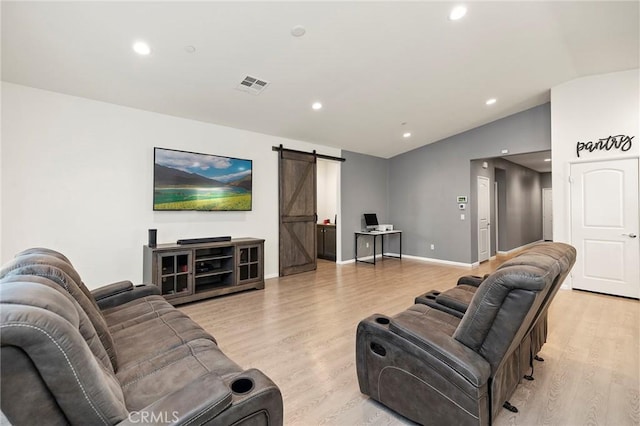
(189, 272)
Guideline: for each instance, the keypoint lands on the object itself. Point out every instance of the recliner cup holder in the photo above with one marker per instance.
(242, 385)
(378, 349)
(435, 293)
(382, 320)
(431, 296)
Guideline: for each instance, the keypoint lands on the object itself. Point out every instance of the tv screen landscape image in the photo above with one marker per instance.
(191, 181)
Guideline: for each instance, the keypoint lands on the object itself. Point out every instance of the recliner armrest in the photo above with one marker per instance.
(196, 403)
(473, 280)
(460, 358)
(121, 292)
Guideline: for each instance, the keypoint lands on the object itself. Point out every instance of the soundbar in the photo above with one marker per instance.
(203, 240)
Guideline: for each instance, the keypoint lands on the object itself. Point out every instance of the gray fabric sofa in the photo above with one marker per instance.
(116, 355)
(435, 367)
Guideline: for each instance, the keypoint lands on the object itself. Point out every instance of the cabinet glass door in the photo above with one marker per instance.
(175, 273)
(248, 263)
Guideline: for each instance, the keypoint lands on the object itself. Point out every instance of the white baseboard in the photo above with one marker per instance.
(443, 262)
(519, 248)
(268, 277)
(408, 256)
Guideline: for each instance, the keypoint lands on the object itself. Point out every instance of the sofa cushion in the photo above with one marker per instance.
(418, 313)
(172, 369)
(43, 250)
(53, 258)
(44, 325)
(503, 308)
(86, 329)
(136, 311)
(25, 266)
(458, 297)
(151, 338)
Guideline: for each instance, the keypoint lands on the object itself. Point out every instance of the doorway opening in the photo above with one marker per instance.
(298, 213)
(328, 189)
(515, 215)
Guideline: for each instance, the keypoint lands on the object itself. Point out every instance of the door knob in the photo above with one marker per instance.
(630, 235)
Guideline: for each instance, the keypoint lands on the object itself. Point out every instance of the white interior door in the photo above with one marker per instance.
(484, 200)
(547, 214)
(604, 227)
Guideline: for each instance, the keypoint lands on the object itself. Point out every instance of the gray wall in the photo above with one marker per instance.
(524, 205)
(364, 183)
(501, 178)
(424, 183)
(545, 180)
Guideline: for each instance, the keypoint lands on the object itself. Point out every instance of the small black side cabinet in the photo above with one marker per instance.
(326, 236)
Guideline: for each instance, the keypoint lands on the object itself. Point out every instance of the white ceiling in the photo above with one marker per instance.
(374, 65)
(534, 160)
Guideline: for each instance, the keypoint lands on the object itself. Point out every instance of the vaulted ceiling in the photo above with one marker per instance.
(380, 69)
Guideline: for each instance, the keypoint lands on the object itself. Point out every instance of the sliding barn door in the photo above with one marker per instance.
(297, 173)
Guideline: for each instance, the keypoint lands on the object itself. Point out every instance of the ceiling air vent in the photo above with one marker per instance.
(252, 85)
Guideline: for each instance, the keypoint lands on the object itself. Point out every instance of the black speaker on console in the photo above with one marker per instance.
(153, 235)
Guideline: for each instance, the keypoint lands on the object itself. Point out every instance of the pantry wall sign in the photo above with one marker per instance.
(620, 142)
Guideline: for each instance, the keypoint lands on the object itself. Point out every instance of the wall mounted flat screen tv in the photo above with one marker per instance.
(185, 180)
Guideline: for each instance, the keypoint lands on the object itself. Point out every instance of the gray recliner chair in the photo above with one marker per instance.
(456, 300)
(437, 368)
(128, 358)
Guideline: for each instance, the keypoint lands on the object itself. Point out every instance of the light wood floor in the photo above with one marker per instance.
(300, 331)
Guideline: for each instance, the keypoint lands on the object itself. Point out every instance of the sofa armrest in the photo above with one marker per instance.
(121, 292)
(449, 368)
(256, 400)
(111, 289)
(460, 358)
(197, 403)
(472, 280)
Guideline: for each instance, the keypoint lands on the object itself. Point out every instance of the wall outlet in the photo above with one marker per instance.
(433, 246)
(462, 216)
(367, 245)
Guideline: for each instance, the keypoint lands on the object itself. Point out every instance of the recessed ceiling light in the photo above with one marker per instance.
(190, 49)
(491, 101)
(547, 159)
(141, 48)
(457, 12)
(316, 106)
(406, 135)
(298, 31)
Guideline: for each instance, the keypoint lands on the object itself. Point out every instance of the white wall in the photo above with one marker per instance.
(328, 189)
(77, 176)
(588, 109)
